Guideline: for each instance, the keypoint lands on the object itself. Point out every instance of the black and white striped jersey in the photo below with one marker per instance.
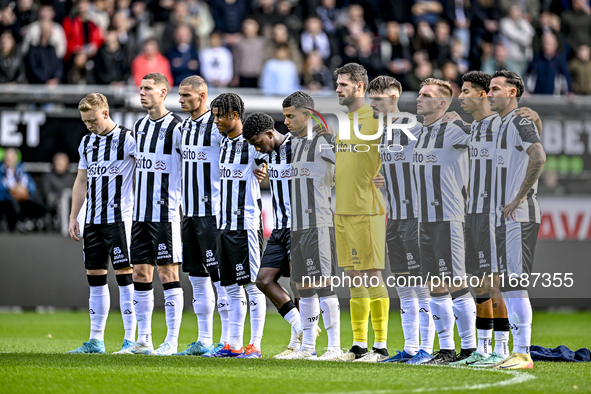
(312, 179)
(483, 144)
(401, 190)
(515, 136)
(441, 163)
(280, 181)
(109, 163)
(240, 194)
(201, 166)
(158, 169)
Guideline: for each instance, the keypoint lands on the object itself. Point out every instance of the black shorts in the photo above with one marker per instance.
(443, 249)
(101, 241)
(199, 246)
(313, 253)
(402, 240)
(239, 256)
(277, 251)
(156, 243)
(481, 249)
(516, 244)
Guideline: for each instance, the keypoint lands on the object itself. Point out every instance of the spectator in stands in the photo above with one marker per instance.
(426, 10)
(549, 69)
(280, 36)
(111, 63)
(457, 55)
(249, 56)
(580, 70)
(368, 55)
(499, 61)
(328, 14)
(17, 189)
(8, 20)
(25, 12)
(150, 61)
(280, 76)
(32, 33)
(83, 35)
(396, 55)
(266, 15)
(424, 37)
(548, 23)
(440, 49)
(530, 8)
(449, 73)
(128, 39)
(200, 20)
(43, 64)
(184, 56)
(483, 27)
(160, 11)
(178, 17)
(229, 15)
(352, 26)
(315, 39)
(459, 14)
(517, 33)
(12, 67)
(216, 62)
(316, 75)
(421, 71)
(288, 17)
(576, 24)
(139, 24)
(53, 184)
(99, 14)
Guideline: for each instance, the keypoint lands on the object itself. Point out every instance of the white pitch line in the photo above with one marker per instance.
(517, 378)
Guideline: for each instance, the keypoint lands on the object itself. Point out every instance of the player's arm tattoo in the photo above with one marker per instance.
(537, 158)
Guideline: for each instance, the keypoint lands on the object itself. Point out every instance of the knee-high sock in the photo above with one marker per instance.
(127, 311)
(379, 304)
(258, 311)
(331, 316)
(236, 315)
(520, 318)
(501, 327)
(99, 303)
(426, 324)
(291, 315)
(409, 316)
(443, 318)
(143, 299)
(359, 315)
(203, 306)
(464, 309)
(223, 305)
(484, 323)
(309, 313)
(173, 310)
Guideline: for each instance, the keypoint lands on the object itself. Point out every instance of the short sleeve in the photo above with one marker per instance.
(177, 138)
(526, 133)
(129, 145)
(460, 134)
(82, 164)
(327, 152)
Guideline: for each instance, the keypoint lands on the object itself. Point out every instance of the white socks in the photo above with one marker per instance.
(484, 342)
(224, 310)
(98, 308)
(443, 318)
(293, 340)
(144, 306)
(203, 306)
(409, 316)
(127, 311)
(502, 343)
(425, 318)
(464, 309)
(173, 309)
(236, 315)
(258, 312)
(294, 320)
(331, 316)
(309, 312)
(520, 316)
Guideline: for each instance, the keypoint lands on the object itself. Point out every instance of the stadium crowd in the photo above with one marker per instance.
(280, 45)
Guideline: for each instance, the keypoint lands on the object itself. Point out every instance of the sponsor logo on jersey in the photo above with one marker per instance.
(484, 152)
(431, 159)
(286, 173)
(201, 155)
(237, 174)
(500, 160)
(114, 170)
(305, 171)
(524, 122)
(399, 156)
(160, 165)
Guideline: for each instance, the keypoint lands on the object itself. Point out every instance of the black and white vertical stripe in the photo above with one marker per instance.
(240, 193)
(201, 166)
(396, 154)
(312, 178)
(280, 181)
(158, 169)
(441, 164)
(109, 164)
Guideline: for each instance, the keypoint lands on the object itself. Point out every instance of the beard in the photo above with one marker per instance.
(346, 101)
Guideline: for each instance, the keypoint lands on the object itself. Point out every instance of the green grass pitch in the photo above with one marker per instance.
(32, 359)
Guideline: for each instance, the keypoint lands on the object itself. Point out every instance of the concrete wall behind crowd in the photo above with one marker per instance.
(47, 270)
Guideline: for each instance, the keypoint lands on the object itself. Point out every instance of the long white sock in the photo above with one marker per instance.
(144, 307)
(294, 320)
(223, 305)
(236, 315)
(331, 316)
(427, 327)
(520, 319)
(258, 312)
(127, 311)
(409, 316)
(464, 309)
(293, 340)
(203, 306)
(99, 303)
(309, 312)
(443, 318)
(173, 308)
(502, 343)
(484, 341)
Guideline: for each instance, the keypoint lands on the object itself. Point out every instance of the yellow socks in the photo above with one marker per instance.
(380, 308)
(360, 313)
